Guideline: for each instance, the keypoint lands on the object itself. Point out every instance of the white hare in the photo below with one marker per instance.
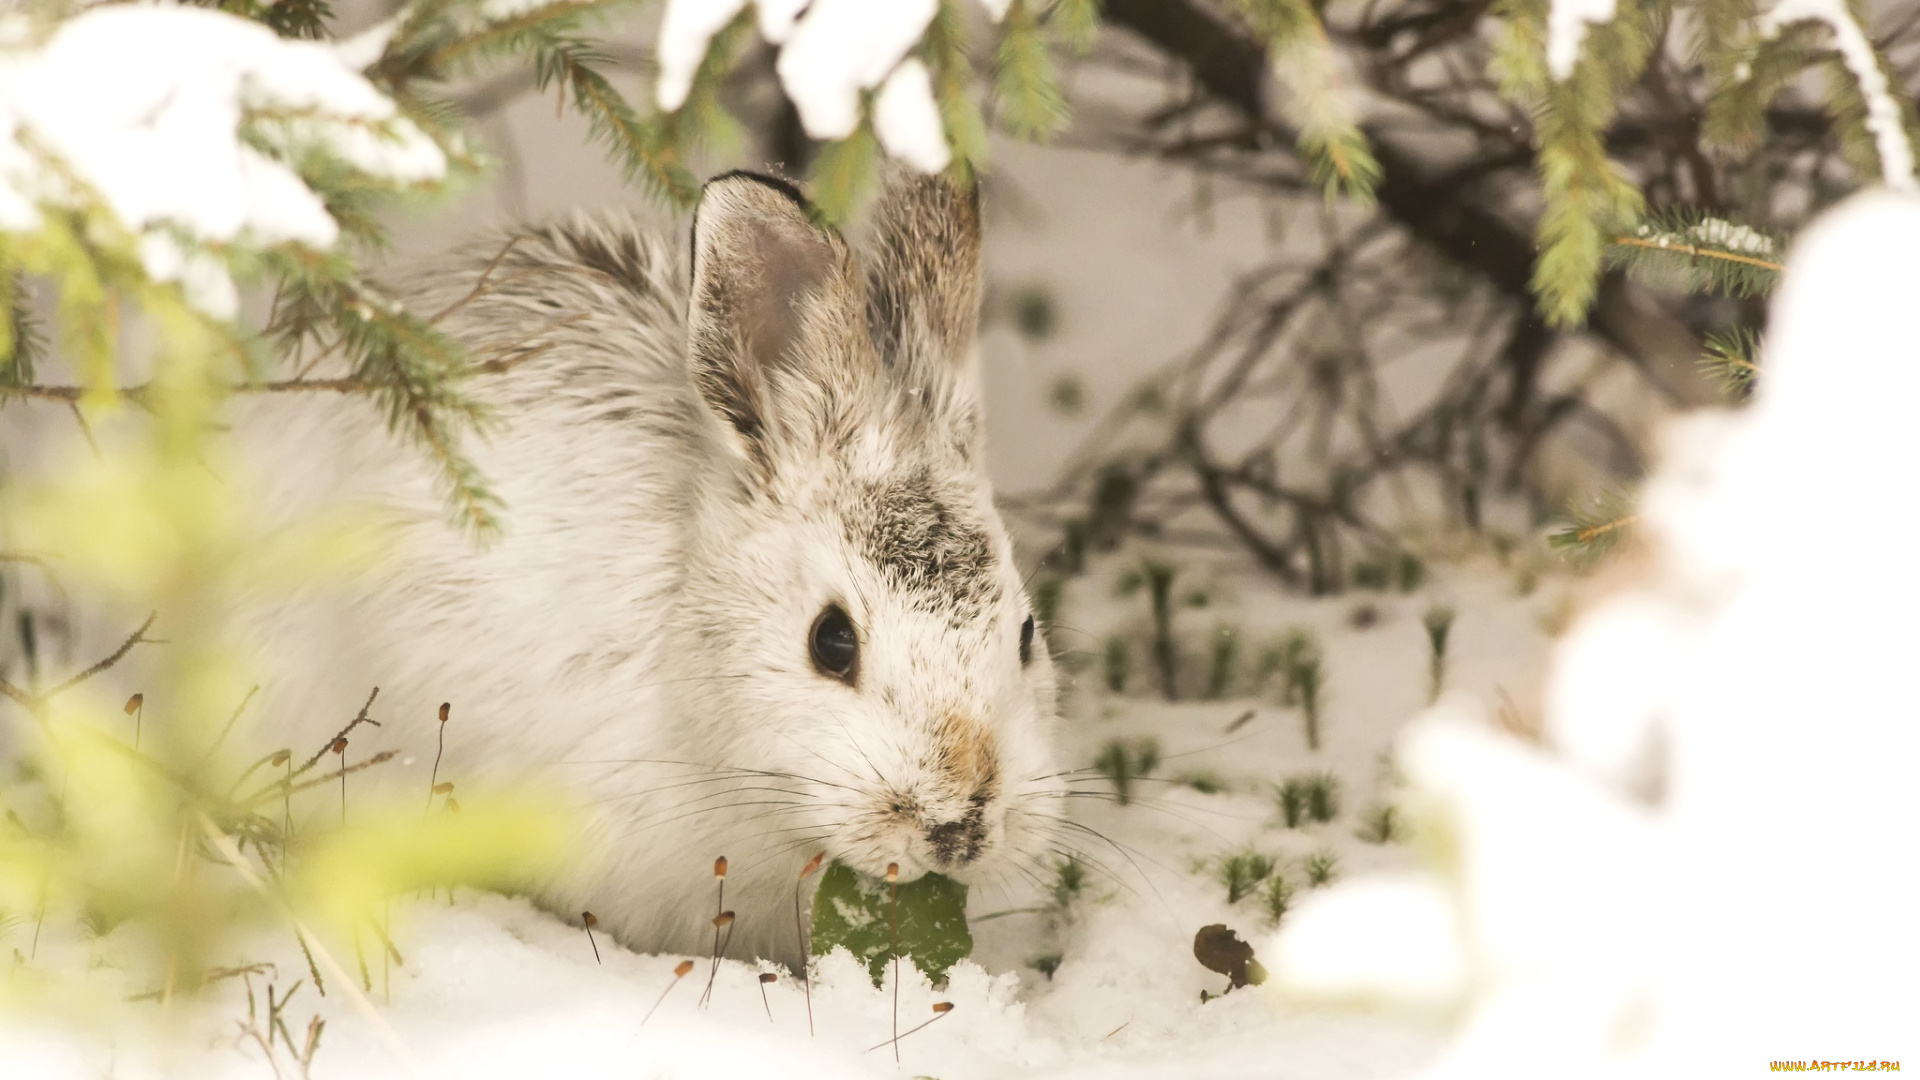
(753, 599)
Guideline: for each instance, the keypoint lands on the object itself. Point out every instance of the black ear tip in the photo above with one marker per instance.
(787, 189)
(784, 188)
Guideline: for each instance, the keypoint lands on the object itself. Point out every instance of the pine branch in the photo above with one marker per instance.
(517, 35)
(644, 149)
(1588, 197)
(415, 372)
(1747, 73)
(653, 150)
(1591, 533)
(843, 173)
(304, 19)
(1026, 85)
(21, 341)
(1731, 359)
(944, 51)
(1338, 155)
(1075, 23)
(1687, 251)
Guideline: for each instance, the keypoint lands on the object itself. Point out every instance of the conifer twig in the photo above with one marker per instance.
(1697, 252)
(806, 965)
(1591, 533)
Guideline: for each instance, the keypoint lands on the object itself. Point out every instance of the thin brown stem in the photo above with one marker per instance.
(359, 718)
(1699, 252)
(1593, 532)
(434, 780)
(938, 1012)
(279, 786)
(893, 924)
(115, 657)
(679, 973)
(480, 285)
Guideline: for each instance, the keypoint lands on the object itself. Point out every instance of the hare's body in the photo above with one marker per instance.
(699, 480)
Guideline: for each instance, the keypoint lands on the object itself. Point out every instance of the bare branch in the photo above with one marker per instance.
(139, 636)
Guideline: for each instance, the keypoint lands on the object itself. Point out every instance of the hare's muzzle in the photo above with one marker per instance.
(958, 842)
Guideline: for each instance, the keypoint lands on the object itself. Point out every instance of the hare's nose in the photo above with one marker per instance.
(957, 843)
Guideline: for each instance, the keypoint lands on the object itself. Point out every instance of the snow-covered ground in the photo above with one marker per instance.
(493, 987)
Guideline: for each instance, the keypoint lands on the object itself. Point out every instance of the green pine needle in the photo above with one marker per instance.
(412, 369)
(1589, 534)
(944, 51)
(1732, 359)
(440, 41)
(1076, 23)
(1587, 195)
(643, 148)
(1747, 73)
(1339, 158)
(843, 174)
(1027, 87)
(22, 342)
(1691, 252)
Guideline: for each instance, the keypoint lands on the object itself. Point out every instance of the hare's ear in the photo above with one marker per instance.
(923, 294)
(771, 292)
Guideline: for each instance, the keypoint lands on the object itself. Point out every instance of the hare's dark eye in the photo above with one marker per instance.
(835, 645)
(1026, 642)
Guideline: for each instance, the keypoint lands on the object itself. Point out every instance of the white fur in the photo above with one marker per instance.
(638, 636)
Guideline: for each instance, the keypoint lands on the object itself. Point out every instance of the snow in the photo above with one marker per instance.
(843, 47)
(492, 987)
(684, 33)
(777, 17)
(907, 119)
(1714, 867)
(159, 143)
(1567, 23)
(1387, 939)
(203, 278)
(1883, 112)
(364, 49)
(1732, 237)
(1716, 232)
(832, 51)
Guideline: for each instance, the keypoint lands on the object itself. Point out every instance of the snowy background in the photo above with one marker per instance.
(1663, 820)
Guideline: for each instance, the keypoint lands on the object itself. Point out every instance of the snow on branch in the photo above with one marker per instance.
(192, 137)
(1690, 252)
(1567, 26)
(833, 52)
(1883, 117)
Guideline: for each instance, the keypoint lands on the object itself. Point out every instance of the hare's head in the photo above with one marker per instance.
(861, 630)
